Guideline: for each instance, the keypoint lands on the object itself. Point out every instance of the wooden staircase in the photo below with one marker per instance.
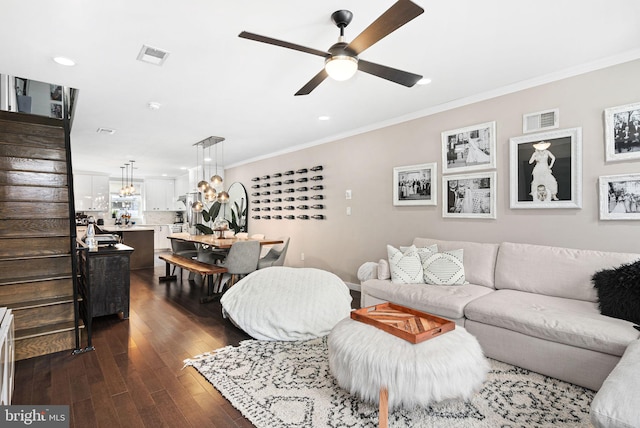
(36, 234)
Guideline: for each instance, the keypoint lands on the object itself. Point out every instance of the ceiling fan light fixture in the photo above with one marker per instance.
(341, 67)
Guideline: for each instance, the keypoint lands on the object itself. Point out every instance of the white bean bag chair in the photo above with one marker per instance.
(284, 303)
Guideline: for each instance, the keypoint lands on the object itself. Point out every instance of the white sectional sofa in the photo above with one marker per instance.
(529, 305)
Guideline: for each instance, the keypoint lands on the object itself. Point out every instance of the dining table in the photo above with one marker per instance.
(217, 243)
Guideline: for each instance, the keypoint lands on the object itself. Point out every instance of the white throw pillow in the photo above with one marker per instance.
(406, 268)
(384, 271)
(367, 271)
(445, 268)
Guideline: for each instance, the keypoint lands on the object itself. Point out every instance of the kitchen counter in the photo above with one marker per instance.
(138, 237)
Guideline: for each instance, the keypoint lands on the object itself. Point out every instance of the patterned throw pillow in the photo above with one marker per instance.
(406, 268)
(444, 268)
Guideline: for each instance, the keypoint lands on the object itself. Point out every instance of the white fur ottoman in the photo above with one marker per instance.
(365, 360)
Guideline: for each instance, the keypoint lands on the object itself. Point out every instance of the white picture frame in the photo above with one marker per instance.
(415, 185)
(471, 148)
(556, 185)
(469, 195)
(622, 132)
(619, 197)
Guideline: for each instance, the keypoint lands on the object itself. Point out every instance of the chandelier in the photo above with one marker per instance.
(213, 190)
(127, 189)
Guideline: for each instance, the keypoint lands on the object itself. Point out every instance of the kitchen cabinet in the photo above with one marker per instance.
(91, 192)
(159, 195)
(161, 237)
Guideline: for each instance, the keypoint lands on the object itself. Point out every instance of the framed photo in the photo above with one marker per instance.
(56, 110)
(469, 195)
(546, 170)
(622, 132)
(56, 92)
(620, 197)
(415, 184)
(469, 149)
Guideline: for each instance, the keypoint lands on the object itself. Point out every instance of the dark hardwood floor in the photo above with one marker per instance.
(135, 376)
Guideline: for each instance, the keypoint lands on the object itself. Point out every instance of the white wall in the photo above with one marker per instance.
(364, 164)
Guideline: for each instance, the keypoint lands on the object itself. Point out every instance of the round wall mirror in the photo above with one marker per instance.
(236, 209)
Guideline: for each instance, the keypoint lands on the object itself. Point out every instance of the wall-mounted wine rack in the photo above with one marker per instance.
(303, 185)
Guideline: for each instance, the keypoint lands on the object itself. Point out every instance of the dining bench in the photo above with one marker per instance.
(194, 266)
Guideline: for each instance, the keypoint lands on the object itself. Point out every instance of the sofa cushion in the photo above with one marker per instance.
(447, 301)
(554, 271)
(616, 403)
(619, 291)
(445, 268)
(406, 267)
(479, 258)
(568, 321)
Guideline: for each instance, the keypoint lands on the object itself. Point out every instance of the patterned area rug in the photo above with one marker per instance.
(288, 384)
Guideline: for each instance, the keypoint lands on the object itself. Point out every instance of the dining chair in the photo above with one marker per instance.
(242, 260)
(184, 249)
(276, 255)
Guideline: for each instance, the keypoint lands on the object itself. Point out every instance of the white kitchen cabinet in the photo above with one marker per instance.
(91, 192)
(159, 195)
(7, 356)
(161, 237)
(182, 185)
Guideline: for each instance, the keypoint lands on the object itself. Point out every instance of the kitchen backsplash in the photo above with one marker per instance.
(159, 217)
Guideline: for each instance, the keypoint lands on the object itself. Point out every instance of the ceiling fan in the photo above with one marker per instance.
(341, 59)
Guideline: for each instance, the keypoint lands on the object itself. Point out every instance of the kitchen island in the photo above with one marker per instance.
(140, 238)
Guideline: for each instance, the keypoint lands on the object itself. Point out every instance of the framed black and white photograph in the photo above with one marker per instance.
(622, 132)
(56, 110)
(469, 195)
(415, 184)
(546, 170)
(56, 92)
(620, 197)
(469, 149)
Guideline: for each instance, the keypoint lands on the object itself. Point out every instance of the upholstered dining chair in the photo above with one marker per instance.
(276, 255)
(184, 249)
(242, 260)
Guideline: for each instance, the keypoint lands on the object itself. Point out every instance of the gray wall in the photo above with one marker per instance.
(364, 164)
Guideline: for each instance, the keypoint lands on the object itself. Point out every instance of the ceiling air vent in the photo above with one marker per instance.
(106, 131)
(541, 120)
(152, 55)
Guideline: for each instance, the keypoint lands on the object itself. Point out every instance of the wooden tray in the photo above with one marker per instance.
(406, 323)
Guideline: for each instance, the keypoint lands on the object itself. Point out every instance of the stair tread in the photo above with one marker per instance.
(37, 278)
(28, 333)
(41, 302)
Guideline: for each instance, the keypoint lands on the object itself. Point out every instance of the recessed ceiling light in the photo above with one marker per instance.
(324, 117)
(154, 105)
(164, 175)
(64, 61)
(183, 167)
(424, 81)
(207, 159)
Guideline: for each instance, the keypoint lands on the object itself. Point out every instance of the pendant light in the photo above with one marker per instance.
(216, 180)
(203, 185)
(210, 194)
(127, 189)
(122, 191)
(223, 197)
(132, 189)
(197, 205)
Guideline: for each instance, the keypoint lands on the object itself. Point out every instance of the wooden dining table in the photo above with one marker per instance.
(219, 243)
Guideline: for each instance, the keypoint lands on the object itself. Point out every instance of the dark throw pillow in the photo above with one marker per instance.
(619, 291)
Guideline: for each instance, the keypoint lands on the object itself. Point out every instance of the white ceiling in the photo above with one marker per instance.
(214, 83)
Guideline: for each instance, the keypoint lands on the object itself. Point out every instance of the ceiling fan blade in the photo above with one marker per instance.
(392, 74)
(313, 83)
(272, 41)
(395, 17)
